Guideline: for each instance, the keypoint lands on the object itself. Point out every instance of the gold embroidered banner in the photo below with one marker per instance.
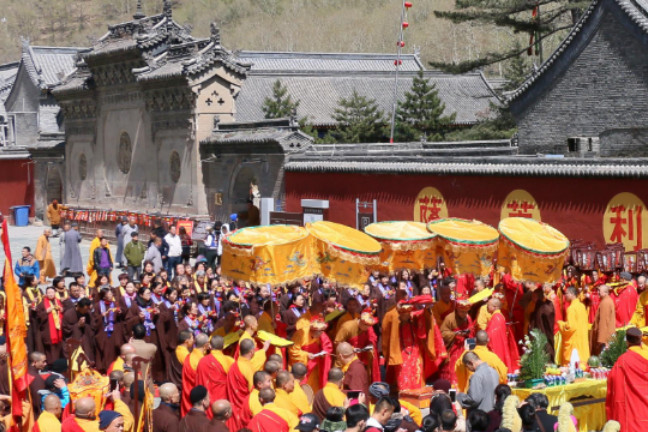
(467, 246)
(406, 245)
(530, 250)
(272, 254)
(342, 254)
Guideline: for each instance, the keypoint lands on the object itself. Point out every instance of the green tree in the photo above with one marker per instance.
(359, 120)
(281, 104)
(516, 16)
(420, 114)
(515, 71)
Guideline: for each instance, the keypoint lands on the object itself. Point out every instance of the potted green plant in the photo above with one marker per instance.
(534, 359)
(615, 348)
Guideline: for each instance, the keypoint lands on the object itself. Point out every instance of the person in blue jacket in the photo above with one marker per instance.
(26, 265)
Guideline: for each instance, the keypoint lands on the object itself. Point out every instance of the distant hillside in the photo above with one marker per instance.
(280, 25)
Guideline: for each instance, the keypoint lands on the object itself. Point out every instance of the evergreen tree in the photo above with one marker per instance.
(359, 120)
(281, 104)
(421, 113)
(515, 71)
(537, 19)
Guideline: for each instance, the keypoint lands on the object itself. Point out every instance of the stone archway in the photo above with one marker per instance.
(240, 187)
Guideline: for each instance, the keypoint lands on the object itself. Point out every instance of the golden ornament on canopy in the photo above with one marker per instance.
(530, 250)
(342, 254)
(406, 245)
(467, 246)
(271, 254)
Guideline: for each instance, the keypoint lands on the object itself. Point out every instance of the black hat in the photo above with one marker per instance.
(197, 394)
(634, 335)
(106, 417)
(626, 276)
(308, 423)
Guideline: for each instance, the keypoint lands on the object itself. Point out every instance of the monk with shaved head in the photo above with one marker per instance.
(356, 377)
(84, 417)
(49, 420)
(221, 412)
(118, 364)
(166, 417)
(189, 370)
(212, 371)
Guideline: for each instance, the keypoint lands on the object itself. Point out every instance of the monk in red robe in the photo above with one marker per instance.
(189, 372)
(50, 316)
(212, 371)
(625, 300)
(627, 383)
(360, 334)
(313, 348)
(240, 381)
(513, 293)
(272, 418)
(456, 328)
(501, 338)
(83, 419)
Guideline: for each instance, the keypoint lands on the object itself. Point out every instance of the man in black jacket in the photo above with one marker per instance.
(544, 421)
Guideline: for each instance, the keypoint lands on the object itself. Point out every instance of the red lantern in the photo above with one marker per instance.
(398, 62)
(408, 5)
(405, 24)
(400, 44)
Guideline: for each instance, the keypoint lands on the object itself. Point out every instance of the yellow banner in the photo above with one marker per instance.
(406, 245)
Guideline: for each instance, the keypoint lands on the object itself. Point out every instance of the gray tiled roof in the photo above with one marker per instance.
(47, 118)
(7, 77)
(47, 66)
(345, 62)
(637, 11)
(468, 95)
(507, 165)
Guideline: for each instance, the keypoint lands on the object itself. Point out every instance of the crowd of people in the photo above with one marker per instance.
(339, 359)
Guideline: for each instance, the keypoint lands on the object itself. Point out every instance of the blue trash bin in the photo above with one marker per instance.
(21, 215)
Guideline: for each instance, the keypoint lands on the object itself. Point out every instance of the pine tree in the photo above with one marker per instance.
(281, 104)
(359, 120)
(518, 17)
(515, 71)
(421, 113)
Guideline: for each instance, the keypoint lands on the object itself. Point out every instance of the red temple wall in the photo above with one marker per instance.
(575, 206)
(16, 184)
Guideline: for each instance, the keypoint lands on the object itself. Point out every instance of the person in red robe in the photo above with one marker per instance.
(456, 328)
(212, 371)
(513, 293)
(501, 338)
(189, 371)
(625, 300)
(313, 348)
(50, 317)
(272, 418)
(627, 385)
(360, 334)
(240, 381)
(83, 419)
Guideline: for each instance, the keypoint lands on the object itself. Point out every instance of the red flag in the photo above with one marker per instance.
(16, 331)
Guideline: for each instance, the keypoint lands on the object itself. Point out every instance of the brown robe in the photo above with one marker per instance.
(356, 377)
(36, 383)
(107, 347)
(156, 337)
(543, 318)
(604, 325)
(320, 405)
(166, 419)
(174, 371)
(52, 351)
(219, 426)
(85, 334)
(4, 377)
(34, 340)
(195, 421)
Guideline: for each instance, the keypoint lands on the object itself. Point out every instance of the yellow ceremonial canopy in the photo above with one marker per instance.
(467, 246)
(343, 254)
(272, 254)
(406, 245)
(530, 250)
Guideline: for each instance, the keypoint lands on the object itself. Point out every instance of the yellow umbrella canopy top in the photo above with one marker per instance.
(399, 231)
(344, 238)
(464, 231)
(533, 236)
(267, 235)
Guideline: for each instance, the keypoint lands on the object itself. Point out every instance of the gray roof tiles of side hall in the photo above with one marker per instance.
(53, 63)
(637, 10)
(303, 61)
(463, 165)
(468, 95)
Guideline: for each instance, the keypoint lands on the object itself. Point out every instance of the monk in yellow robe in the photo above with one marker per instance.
(43, 254)
(96, 242)
(312, 347)
(298, 395)
(487, 356)
(575, 330)
(285, 384)
(48, 421)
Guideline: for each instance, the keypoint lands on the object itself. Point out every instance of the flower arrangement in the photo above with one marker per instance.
(615, 348)
(535, 358)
